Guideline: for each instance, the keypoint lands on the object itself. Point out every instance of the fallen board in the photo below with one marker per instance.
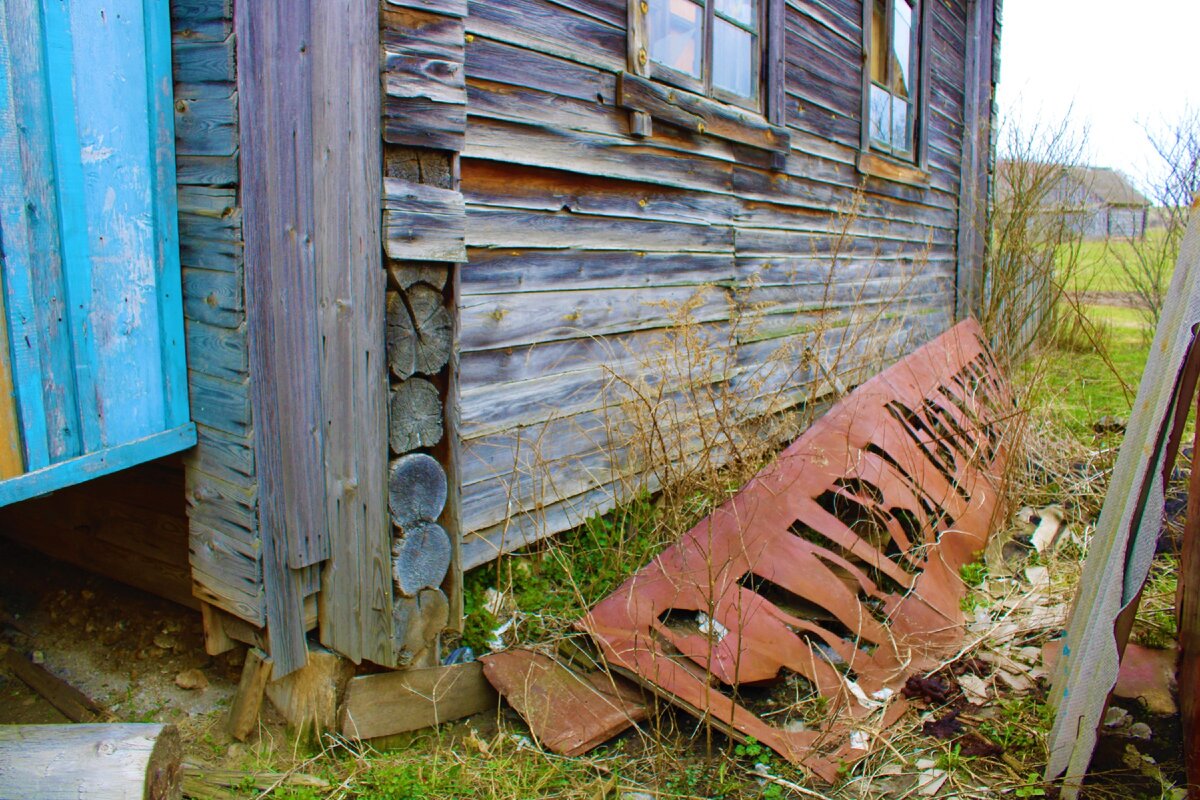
(1127, 532)
(847, 548)
(397, 702)
(568, 712)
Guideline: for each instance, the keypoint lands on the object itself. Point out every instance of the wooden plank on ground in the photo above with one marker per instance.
(395, 702)
(74, 704)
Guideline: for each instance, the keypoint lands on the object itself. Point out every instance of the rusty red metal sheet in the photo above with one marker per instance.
(835, 569)
(569, 712)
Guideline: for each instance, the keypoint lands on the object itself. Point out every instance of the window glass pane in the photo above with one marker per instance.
(740, 10)
(733, 59)
(901, 49)
(879, 42)
(676, 34)
(901, 138)
(881, 118)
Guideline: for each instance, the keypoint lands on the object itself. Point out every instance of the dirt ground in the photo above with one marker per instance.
(121, 647)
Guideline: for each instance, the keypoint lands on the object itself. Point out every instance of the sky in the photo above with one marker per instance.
(1112, 66)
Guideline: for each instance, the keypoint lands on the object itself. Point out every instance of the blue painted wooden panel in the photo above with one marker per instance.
(89, 227)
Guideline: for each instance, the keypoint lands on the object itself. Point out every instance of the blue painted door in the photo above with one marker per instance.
(88, 224)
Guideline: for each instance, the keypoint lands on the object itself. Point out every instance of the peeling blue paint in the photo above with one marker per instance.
(89, 225)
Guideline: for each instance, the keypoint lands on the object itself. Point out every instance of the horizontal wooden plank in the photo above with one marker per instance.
(498, 62)
(519, 186)
(389, 703)
(184, 12)
(206, 170)
(543, 26)
(423, 223)
(214, 298)
(423, 57)
(508, 320)
(92, 465)
(203, 62)
(206, 126)
(223, 455)
(534, 107)
(450, 8)
(196, 30)
(424, 123)
(220, 404)
(220, 352)
(513, 270)
(503, 227)
(700, 114)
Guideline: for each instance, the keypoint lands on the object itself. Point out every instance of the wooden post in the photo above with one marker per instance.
(81, 762)
(243, 713)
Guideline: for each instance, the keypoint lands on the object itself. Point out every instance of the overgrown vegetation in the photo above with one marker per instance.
(689, 423)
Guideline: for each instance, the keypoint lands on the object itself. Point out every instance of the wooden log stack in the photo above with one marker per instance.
(424, 233)
(424, 236)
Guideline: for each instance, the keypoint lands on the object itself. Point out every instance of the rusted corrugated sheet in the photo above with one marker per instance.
(837, 564)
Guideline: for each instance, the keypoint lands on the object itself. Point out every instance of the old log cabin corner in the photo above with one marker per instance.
(408, 244)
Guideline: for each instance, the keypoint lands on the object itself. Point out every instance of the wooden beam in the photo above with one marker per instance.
(700, 114)
(307, 698)
(89, 762)
(356, 599)
(396, 702)
(976, 159)
(243, 713)
(74, 704)
(276, 155)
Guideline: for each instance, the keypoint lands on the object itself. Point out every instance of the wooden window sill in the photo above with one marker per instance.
(890, 169)
(701, 114)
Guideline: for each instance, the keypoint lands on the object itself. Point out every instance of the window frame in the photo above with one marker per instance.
(769, 67)
(704, 84)
(884, 162)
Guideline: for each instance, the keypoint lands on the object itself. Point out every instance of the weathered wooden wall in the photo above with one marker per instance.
(582, 237)
(424, 123)
(221, 482)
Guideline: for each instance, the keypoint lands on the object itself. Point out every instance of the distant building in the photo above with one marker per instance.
(1098, 201)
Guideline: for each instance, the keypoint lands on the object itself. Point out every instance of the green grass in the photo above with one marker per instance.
(1099, 264)
(554, 583)
(1083, 386)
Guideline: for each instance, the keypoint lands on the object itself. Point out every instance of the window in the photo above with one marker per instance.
(893, 105)
(713, 67)
(712, 47)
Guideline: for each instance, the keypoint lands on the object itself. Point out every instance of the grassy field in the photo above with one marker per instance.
(1098, 265)
(1087, 381)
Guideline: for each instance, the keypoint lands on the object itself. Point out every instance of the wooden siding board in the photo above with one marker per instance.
(422, 223)
(225, 549)
(423, 80)
(449, 8)
(220, 404)
(211, 170)
(216, 351)
(203, 62)
(206, 125)
(518, 104)
(274, 84)
(356, 606)
(503, 63)
(541, 25)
